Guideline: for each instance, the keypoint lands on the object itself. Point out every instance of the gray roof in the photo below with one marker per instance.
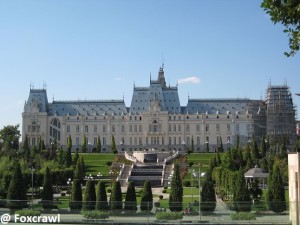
(256, 172)
(105, 107)
(219, 106)
(37, 97)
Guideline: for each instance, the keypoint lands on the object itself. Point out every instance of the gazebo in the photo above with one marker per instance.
(257, 173)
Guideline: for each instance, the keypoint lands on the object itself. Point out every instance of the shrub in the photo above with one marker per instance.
(108, 163)
(191, 164)
(187, 183)
(169, 216)
(157, 204)
(28, 212)
(95, 214)
(164, 191)
(161, 197)
(62, 194)
(243, 216)
(108, 190)
(165, 187)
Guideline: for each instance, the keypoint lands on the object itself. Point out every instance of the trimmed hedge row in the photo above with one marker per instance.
(169, 216)
(243, 216)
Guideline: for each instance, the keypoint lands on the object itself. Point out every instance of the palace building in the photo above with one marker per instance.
(156, 120)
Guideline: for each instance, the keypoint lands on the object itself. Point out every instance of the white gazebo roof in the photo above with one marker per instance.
(256, 172)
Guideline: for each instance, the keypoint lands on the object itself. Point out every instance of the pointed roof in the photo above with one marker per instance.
(256, 172)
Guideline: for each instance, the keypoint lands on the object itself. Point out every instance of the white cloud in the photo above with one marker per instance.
(118, 78)
(190, 80)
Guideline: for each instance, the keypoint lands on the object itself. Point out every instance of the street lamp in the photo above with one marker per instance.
(52, 149)
(199, 184)
(89, 146)
(99, 175)
(183, 143)
(111, 174)
(32, 170)
(207, 145)
(69, 181)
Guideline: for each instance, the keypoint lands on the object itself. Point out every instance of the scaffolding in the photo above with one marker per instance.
(280, 113)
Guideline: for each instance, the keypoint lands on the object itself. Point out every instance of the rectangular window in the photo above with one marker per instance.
(174, 140)
(95, 141)
(140, 140)
(237, 128)
(104, 129)
(198, 128)
(77, 128)
(228, 139)
(206, 127)
(95, 128)
(135, 140)
(228, 127)
(113, 128)
(170, 141)
(33, 141)
(218, 127)
(174, 127)
(146, 140)
(135, 128)
(170, 128)
(198, 140)
(104, 141)
(187, 128)
(130, 140)
(86, 129)
(140, 128)
(77, 140)
(179, 127)
(130, 128)
(218, 140)
(29, 128)
(123, 128)
(162, 140)
(68, 129)
(179, 140)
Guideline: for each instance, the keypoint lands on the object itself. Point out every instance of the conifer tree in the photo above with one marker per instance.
(47, 194)
(16, 189)
(263, 147)
(254, 151)
(98, 147)
(79, 172)
(89, 200)
(237, 142)
(76, 157)
(84, 144)
(192, 145)
(147, 197)
(113, 145)
(176, 194)
(39, 144)
(130, 199)
(69, 150)
(26, 148)
(43, 145)
(221, 148)
(208, 195)
(76, 197)
(101, 197)
(116, 197)
(276, 196)
(241, 196)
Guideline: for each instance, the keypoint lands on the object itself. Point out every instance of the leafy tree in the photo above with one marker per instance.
(101, 197)
(69, 154)
(208, 196)
(147, 197)
(39, 145)
(276, 195)
(237, 142)
(10, 136)
(79, 171)
(116, 197)
(16, 189)
(76, 197)
(227, 160)
(221, 148)
(288, 14)
(61, 157)
(43, 145)
(113, 145)
(176, 194)
(254, 190)
(241, 196)
(47, 194)
(98, 146)
(254, 151)
(84, 144)
(130, 199)
(263, 147)
(89, 200)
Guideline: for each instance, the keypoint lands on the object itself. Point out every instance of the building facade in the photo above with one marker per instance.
(155, 119)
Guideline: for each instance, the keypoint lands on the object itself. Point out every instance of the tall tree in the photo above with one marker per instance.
(98, 146)
(113, 145)
(47, 194)
(192, 145)
(263, 147)
(254, 151)
(276, 193)
(69, 150)
(237, 142)
(84, 144)
(43, 144)
(116, 197)
(176, 194)
(79, 171)
(221, 148)
(10, 136)
(76, 157)
(26, 148)
(101, 197)
(147, 197)
(76, 197)
(130, 199)
(288, 14)
(241, 196)
(89, 200)
(16, 189)
(208, 195)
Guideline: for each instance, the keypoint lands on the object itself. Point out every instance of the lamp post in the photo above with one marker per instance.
(52, 149)
(99, 175)
(69, 181)
(199, 180)
(89, 146)
(183, 143)
(207, 145)
(32, 170)
(111, 174)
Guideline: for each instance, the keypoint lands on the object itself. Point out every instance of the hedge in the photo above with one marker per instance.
(169, 216)
(243, 216)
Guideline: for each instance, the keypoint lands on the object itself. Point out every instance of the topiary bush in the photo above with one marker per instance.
(169, 216)
(243, 216)
(187, 183)
(94, 214)
(28, 212)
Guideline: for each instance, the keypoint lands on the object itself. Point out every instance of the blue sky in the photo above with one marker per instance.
(99, 49)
